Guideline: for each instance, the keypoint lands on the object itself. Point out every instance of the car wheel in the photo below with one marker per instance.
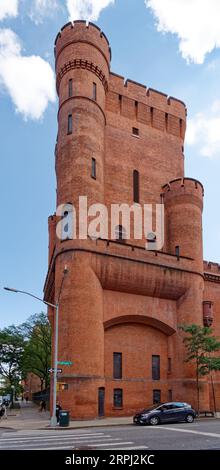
(154, 421)
(189, 418)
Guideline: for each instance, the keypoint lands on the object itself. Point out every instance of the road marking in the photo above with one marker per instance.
(68, 442)
(80, 436)
(202, 433)
(113, 444)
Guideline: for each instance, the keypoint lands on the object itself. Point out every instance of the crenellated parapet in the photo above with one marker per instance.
(82, 46)
(184, 189)
(148, 106)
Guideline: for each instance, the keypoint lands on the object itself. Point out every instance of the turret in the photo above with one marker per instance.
(83, 56)
(183, 200)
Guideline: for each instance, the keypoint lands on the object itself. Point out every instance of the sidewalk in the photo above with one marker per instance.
(29, 418)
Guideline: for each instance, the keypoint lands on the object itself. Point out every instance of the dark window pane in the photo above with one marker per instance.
(136, 185)
(156, 397)
(94, 168)
(170, 395)
(70, 124)
(94, 95)
(169, 365)
(117, 365)
(118, 401)
(70, 88)
(120, 233)
(135, 131)
(156, 367)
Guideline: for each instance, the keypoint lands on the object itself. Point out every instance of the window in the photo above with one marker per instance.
(136, 185)
(94, 93)
(156, 397)
(120, 233)
(169, 370)
(118, 400)
(177, 251)
(170, 395)
(156, 367)
(94, 168)
(135, 131)
(70, 124)
(117, 365)
(70, 88)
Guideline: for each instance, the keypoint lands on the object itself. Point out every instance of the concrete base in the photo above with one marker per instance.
(217, 414)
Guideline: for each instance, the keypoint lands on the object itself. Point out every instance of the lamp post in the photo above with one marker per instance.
(12, 396)
(53, 420)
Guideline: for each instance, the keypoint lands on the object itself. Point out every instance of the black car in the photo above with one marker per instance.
(166, 413)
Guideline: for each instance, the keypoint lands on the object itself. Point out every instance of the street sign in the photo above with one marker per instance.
(58, 370)
(65, 363)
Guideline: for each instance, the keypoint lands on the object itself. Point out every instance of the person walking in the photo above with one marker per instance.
(58, 409)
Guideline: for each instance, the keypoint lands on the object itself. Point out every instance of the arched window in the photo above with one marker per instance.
(70, 88)
(120, 233)
(136, 185)
(70, 124)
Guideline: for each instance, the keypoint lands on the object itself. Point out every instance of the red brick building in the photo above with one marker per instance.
(120, 307)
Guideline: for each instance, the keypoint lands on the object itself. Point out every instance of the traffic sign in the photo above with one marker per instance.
(58, 370)
(65, 363)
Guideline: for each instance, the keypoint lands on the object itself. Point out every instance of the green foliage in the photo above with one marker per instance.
(37, 350)
(11, 352)
(201, 347)
(24, 349)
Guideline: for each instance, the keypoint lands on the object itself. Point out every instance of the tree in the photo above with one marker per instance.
(11, 353)
(37, 351)
(201, 346)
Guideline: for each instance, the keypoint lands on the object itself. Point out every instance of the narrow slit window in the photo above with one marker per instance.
(120, 233)
(94, 168)
(169, 365)
(135, 131)
(70, 88)
(94, 93)
(155, 367)
(117, 365)
(70, 124)
(136, 186)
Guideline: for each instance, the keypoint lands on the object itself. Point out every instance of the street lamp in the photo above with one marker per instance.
(53, 420)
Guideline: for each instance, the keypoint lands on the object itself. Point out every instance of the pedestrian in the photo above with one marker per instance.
(58, 409)
(44, 405)
(3, 411)
(26, 399)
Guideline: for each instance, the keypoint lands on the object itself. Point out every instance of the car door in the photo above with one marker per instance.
(166, 413)
(176, 412)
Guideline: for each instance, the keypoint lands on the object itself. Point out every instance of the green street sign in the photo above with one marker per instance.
(65, 363)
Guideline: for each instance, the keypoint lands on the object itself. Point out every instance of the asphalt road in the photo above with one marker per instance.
(204, 434)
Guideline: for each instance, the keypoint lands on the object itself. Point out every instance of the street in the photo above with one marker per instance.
(202, 434)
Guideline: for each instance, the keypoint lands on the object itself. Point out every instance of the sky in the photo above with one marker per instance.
(169, 45)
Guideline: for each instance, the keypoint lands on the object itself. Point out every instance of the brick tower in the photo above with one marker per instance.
(120, 306)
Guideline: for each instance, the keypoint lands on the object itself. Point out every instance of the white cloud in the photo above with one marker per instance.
(196, 22)
(29, 80)
(203, 131)
(8, 8)
(86, 9)
(42, 8)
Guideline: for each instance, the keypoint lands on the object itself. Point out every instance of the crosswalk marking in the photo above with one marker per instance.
(68, 442)
(211, 434)
(79, 436)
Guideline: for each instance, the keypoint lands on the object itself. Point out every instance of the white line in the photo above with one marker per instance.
(211, 434)
(113, 444)
(68, 442)
(21, 439)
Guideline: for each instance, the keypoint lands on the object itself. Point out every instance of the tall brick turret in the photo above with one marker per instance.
(82, 68)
